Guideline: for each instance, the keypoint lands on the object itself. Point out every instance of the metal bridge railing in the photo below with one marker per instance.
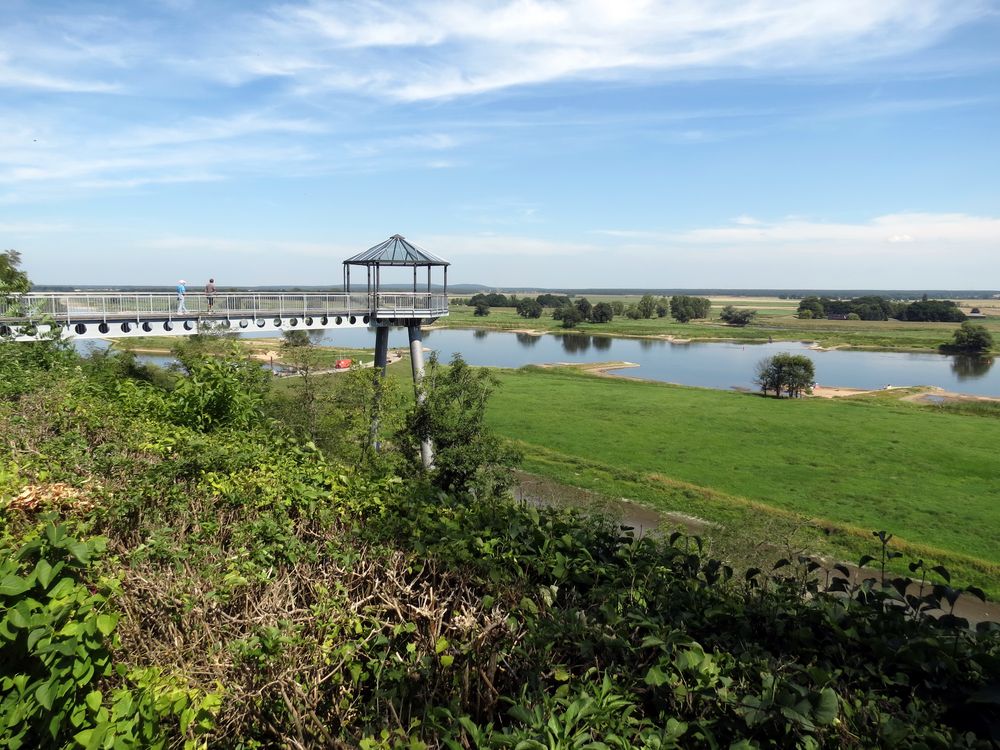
(68, 307)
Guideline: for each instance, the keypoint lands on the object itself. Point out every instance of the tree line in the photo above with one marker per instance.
(681, 307)
(871, 307)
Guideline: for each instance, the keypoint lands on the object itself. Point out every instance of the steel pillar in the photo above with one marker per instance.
(417, 361)
(382, 348)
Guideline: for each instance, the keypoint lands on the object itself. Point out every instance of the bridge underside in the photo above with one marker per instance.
(36, 315)
(187, 326)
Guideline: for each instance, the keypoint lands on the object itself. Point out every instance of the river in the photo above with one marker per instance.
(709, 364)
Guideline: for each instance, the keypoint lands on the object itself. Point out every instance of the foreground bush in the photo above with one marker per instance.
(170, 581)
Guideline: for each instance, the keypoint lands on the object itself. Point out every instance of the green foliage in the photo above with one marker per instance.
(936, 310)
(368, 413)
(552, 300)
(811, 307)
(584, 307)
(219, 392)
(469, 456)
(295, 338)
(684, 308)
(570, 315)
(735, 317)
(970, 337)
(529, 308)
(602, 312)
(247, 592)
(789, 373)
(12, 279)
(646, 306)
(482, 309)
(58, 687)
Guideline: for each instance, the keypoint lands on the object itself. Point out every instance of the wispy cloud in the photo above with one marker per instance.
(913, 232)
(480, 245)
(443, 49)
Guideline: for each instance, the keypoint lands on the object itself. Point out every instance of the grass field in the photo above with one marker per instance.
(262, 348)
(776, 320)
(825, 472)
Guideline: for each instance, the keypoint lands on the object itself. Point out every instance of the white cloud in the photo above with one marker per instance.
(446, 48)
(479, 245)
(937, 229)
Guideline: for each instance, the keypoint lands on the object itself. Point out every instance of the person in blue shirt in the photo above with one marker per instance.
(181, 289)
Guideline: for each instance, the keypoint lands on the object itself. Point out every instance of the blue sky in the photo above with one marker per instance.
(568, 143)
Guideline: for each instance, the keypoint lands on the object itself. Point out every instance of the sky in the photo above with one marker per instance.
(544, 143)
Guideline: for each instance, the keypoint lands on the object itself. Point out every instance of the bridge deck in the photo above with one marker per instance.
(108, 315)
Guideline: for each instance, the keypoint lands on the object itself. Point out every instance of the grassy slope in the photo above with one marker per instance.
(927, 475)
(776, 320)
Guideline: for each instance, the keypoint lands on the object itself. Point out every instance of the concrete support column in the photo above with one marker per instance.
(382, 348)
(417, 361)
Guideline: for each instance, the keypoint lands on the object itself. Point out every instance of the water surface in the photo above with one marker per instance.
(709, 364)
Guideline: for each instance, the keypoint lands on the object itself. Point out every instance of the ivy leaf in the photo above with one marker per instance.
(447, 660)
(106, 623)
(441, 645)
(655, 677)
(826, 707)
(44, 694)
(81, 551)
(13, 585)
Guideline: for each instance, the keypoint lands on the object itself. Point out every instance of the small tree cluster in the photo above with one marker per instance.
(583, 310)
(684, 308)
(529, 308)
(793, 374)
(731, 316)
(973, 338)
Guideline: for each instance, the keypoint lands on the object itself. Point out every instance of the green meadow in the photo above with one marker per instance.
(819, 474)
(776, 320)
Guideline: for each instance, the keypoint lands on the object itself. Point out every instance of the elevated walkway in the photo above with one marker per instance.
(88, 315)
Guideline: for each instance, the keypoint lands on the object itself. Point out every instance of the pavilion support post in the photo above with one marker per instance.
(382, 348)
(417, 361)
(381, 363)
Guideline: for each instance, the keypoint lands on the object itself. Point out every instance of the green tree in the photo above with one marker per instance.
(529, 308)
(970, 337)
(468, 455)
(220, 391)
(646, 306)
(368, 412)
(684, 307)
(295, 338)
(793, 374)
(12, 279)
(584, 306)
(569, 315)
(602, 313)
(482, 309)
(812, 305)
(735, 317)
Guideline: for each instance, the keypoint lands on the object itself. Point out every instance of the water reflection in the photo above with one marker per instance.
(575, 343)
(479, 334)
(714, 365)
(968, 367)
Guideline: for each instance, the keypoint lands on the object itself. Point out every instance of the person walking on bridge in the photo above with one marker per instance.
(181, 289)
(210, 294)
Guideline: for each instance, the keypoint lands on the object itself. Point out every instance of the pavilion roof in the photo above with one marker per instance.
(396, 251)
